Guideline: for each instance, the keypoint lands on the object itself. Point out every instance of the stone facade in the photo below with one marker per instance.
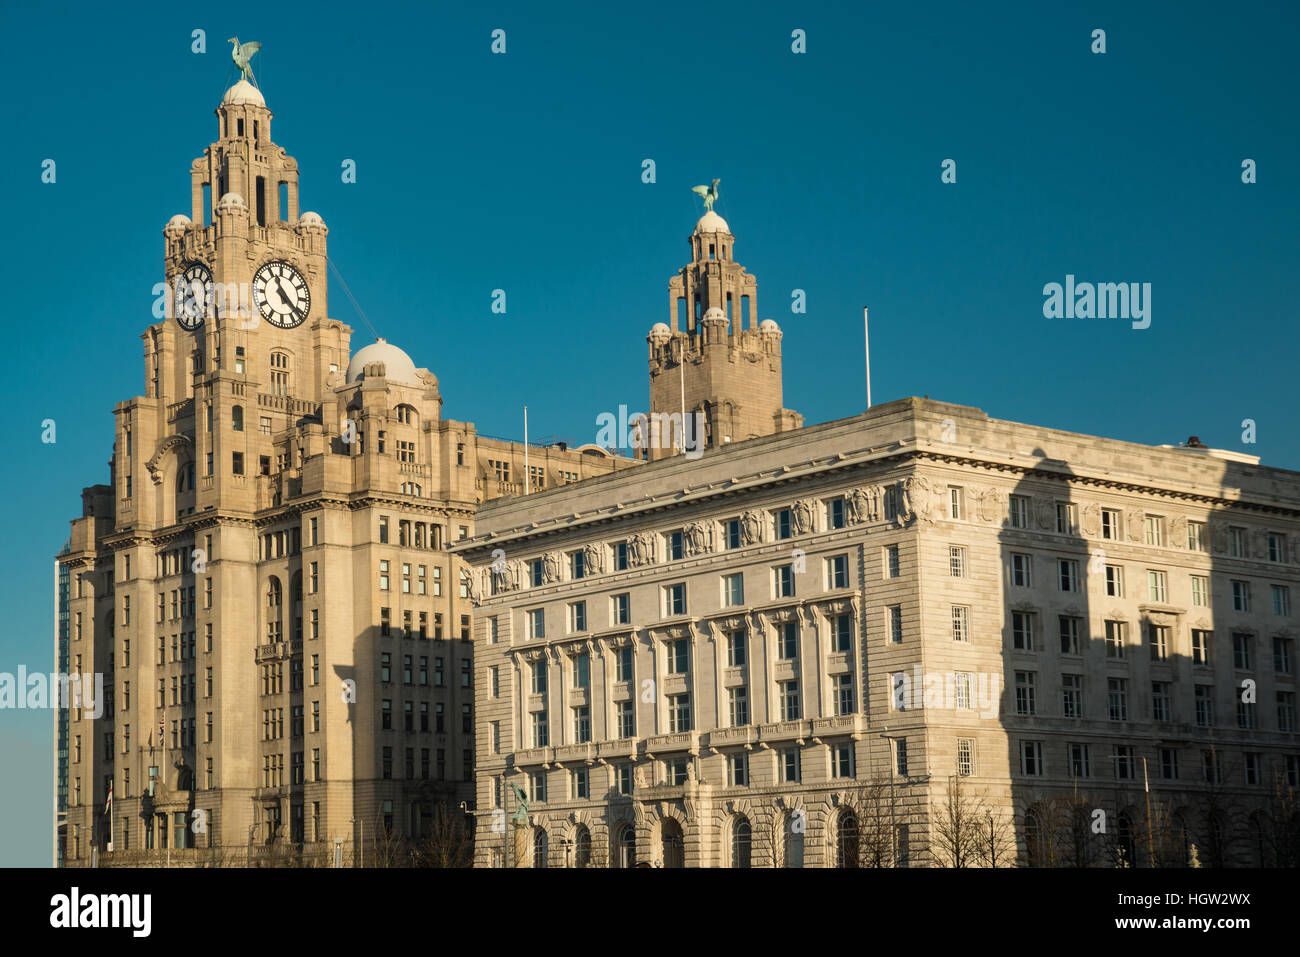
(929, 638)
(265, 582)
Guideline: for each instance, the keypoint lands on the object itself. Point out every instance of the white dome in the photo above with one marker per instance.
(660, 330)
(711, 222)
(714, 312)
(243, 93)
(398, 366)
(232, 200)
(311, 219)
(768, 325)
(178, 222)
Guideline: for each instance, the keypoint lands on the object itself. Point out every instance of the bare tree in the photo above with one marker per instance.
(449, 843)
(995, 841)
(955, 827)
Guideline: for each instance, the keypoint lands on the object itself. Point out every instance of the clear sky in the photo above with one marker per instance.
(523, 172)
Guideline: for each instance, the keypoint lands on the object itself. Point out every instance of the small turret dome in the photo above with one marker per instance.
(178, 223)
(714, 312)
(660, 330)
(711, 222)
(768, 326)
(242, 94)
(232, 201)
(309, 220)
(398, 366)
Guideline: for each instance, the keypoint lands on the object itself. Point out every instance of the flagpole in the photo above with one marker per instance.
(527, 477)
(866, 345)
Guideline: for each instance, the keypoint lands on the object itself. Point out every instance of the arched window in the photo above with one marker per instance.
(627, 846)
(581, 846)
(1125, 842)
(795, 825)
(1034, 850)
(741, 841)
(846, 840)
(279, 373)
(274, 599)
(540, 847)
(674, 849)
(405, 414)
(237, 418)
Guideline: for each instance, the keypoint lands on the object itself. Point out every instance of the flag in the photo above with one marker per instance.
(108, 807)
(162, 731)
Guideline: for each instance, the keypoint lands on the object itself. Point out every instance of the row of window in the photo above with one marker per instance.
(439, 717)
(1127, 765)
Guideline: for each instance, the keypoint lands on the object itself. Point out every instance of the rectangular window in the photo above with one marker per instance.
(1236, 542)
(955, 503)
(790, 701)
(731, 533)
(1286, 712)
(620, 557)
(1161, 709)
(1200, 591)
(1276, 547)
(790, 766)
(1080, 760)
(1067, 574)
(1283, 655)
(736, 648)
(1204, 700)
(1115, 639)
(896, 623)
(1117, 698)
(842, 761)
(582, 724)
(1158, 642)
(788, 640)
(676, 545)
(1155, 530)
(738, 706)
(1066, 518)
(1157, 586)
(621, 609)
(679, 713)
(960, 626)
(956, 561)
(578, 616)
(965, 757)
(1125, 762)
(623, 664)
(733, 589)
(783, 581)
(1202, 641)
(1019, 511)
(1281, 600)
(1031, 758)
(842, 693)
(782, 523)
(1072, 696)
(835, 513)
(1026, 702)
(837, 572)
(1022, 630)
(891, 561)
(536, 623)
(1110, 527)
(674, 599)
(1241, 651)
(842, 633)
(1071, 629)
(626, 719)
(679, 656)
(1021, 570)
(1169, 764)
(1197, 538)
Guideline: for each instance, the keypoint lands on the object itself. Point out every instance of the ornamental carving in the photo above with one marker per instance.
(1136, 523)
(918, 500)
(802, 515)
(641, 549)
(1091, 520)
(1045, 513)
(990, 504)
(550, 568)
(154, 465)
(695, 538)
(1177, 532)
(593, 559)
(751, 527)
(1219, 537)
(864, 505)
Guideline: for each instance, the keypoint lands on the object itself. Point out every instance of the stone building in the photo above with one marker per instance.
(915, 636)
(265, 581)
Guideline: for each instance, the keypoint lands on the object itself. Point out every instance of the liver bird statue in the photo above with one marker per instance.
(242, 54)
(708, 193)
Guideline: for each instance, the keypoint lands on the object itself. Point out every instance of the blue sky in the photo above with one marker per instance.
(523, 172)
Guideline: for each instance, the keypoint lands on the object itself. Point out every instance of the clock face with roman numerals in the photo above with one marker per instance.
(281, 295)
(193, 296)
